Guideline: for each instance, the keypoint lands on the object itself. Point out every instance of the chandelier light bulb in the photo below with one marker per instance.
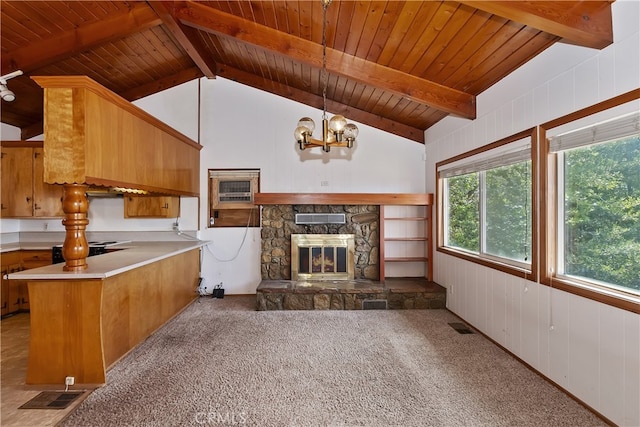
(351, 131)
(337, 123)
(300, 132)
(307, 123)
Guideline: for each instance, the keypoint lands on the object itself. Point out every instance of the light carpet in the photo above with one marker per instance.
(222, 363)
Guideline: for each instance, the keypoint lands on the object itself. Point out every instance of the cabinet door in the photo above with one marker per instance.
(47, 198)
(17, 182)
(14, 291)
(35, 258)
(151, 207)
(23, 293)
(4, 307)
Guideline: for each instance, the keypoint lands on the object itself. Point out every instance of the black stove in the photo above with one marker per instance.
(95, 248)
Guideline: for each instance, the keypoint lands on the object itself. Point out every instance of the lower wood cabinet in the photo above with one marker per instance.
(15, 293)
(97, 321)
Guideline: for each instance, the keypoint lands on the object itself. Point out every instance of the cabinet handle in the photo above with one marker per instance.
(37, 207)
(3, 207)
(28, 199)
(4, 305)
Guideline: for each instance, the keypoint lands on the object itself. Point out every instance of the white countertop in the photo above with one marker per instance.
(133, 255)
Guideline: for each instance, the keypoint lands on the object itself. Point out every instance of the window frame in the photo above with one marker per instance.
(511, 266)
(551, 194)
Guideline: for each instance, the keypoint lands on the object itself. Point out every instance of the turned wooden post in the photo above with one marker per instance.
(75, 206)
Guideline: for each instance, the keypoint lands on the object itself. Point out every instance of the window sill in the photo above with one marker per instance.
(612, 297)
(487, 262)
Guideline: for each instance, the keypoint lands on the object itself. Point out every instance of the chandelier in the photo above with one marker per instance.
(335, 132)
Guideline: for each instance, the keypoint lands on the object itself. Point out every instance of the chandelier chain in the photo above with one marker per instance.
(325, 4)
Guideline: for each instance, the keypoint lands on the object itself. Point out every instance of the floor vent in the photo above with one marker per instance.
(52, 400)
(321, 218)
(461, 328)
(374, 304)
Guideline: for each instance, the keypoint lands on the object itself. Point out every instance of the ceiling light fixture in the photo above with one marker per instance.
(5, 92)
(335, 132)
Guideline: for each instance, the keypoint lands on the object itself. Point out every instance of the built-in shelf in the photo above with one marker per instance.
(406, 238)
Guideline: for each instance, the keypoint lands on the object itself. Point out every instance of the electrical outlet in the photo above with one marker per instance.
(176, 227)
(69, 381)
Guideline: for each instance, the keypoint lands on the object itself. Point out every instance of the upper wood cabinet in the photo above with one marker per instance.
(94, 136)
(24, 192)
(151, 207)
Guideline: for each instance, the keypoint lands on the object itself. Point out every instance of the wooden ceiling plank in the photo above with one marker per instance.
(399, 31)
(289, 92)
(365, 16)
(585, 23)
(163, 83)
(493, 68)
(426, 25)
(185, 37)
(405, 85)
(443, 39)
(383, 30)
(64, 45)
(453, 50)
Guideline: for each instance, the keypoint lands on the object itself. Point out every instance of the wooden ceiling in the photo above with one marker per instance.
(399, 66)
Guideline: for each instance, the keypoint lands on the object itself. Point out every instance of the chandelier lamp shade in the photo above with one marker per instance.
(336, 132)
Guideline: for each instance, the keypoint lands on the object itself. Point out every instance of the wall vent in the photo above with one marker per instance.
(321, 218)
(374, 304)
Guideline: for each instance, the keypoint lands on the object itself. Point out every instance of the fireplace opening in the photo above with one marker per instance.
(322, 256)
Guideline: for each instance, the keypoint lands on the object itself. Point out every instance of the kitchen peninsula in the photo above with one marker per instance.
(83, 322)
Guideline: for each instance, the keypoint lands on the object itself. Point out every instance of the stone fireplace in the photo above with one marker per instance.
(322, 257)
(278, 226)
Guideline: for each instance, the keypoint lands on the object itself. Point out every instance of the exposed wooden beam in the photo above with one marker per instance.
(307, 98)
(32, 130)
(186, 37)
(69, 43)
(402, 84)
(586, 23)
(162, 84)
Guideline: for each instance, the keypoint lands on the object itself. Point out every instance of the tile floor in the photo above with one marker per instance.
(13, 390)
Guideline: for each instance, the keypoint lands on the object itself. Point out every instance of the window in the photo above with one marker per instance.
(486, 205)
(231, 194)
(598, 205)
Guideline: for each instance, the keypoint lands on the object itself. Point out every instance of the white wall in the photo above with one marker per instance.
(590, 349)
(242, 127)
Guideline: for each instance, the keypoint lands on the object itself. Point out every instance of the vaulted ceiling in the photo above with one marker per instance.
(399, 66)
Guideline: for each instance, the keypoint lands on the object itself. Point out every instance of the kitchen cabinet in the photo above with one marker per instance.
(81, 326)
(151, 207)
(11, 296)
(24, 192)
(15, 293)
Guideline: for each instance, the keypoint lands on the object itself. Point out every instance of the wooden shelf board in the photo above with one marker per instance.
(405, 239)
(343, 199)
(406, 218)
